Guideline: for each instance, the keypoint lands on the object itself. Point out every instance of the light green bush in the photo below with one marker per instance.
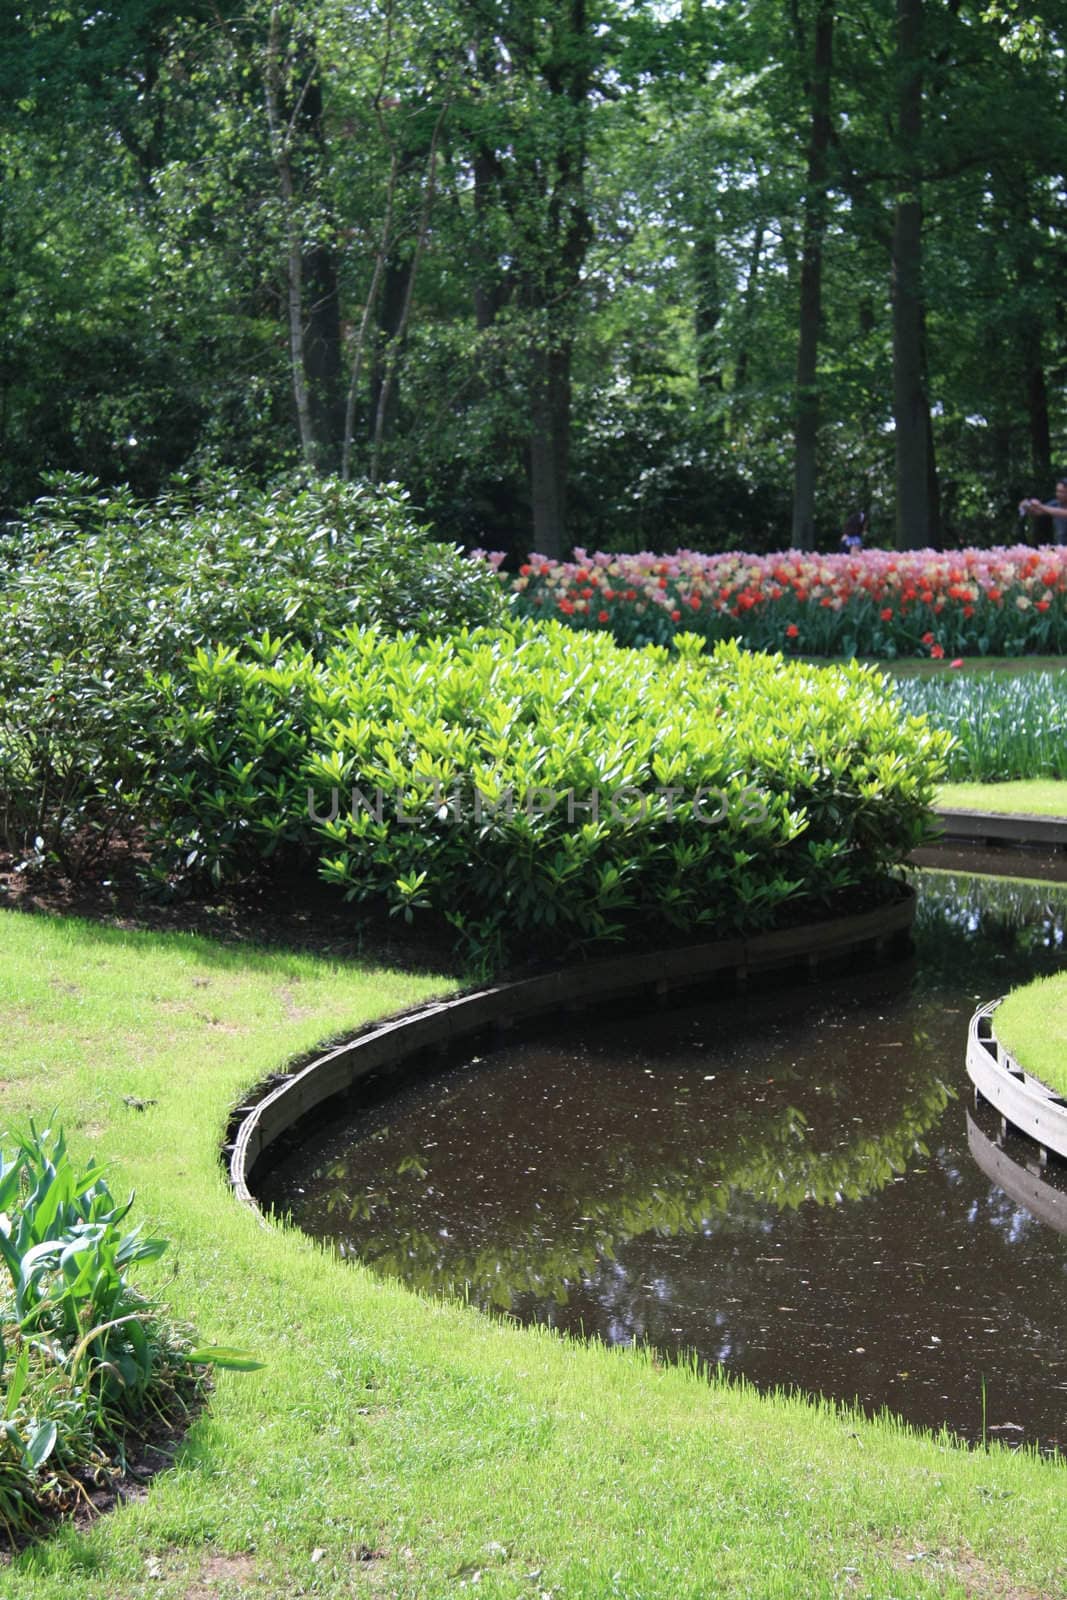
(814, 782)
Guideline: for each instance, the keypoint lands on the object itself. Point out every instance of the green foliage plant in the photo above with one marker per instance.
(84, 1355)
(1003, 727)
(475, 757)
(96, 590)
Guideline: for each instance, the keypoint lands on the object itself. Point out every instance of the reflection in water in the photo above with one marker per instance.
(782, 1184)
(1017, 1166)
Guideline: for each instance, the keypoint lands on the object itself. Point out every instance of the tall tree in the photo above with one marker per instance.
(530, 163)
(917, 512)
(814, 231)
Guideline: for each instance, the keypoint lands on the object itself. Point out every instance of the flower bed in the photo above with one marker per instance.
(1004, 601)
(1004, 726)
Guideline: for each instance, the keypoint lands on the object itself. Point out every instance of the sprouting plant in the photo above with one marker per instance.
(84, 1355)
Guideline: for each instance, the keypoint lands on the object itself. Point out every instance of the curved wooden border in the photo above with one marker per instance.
(1000, 827)
(1023, 1100)
(443, 1023)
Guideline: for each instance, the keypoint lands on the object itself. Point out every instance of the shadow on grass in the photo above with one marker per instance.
(252, 932)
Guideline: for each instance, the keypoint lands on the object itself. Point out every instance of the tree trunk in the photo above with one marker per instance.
(369, 304)
(554, 292)
(295, 121)
(1043, 528)
(916, 473)
(322, 305)
(707, 309)
(911, 410)
(390, 313)
(322, 355)
(392, 358)
(807, 395)
(748, 312)
(1031, 342)
(550, 406)
(490, 294)
(280, 138)
(1037, 410)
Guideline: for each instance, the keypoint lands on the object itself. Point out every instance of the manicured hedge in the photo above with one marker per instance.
(97, 589)
(814, 783)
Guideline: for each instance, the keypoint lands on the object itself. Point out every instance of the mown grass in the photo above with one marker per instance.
(1032, 1024)
(1038, 797)
(1009, 666)
(397, 1447)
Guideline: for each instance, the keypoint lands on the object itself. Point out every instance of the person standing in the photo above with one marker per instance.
(852, 534)
(1056, 509)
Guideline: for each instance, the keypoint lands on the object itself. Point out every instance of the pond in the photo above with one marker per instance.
(784, 1183)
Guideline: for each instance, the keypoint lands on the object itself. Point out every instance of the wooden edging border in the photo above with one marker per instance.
(1022, 1100)
(444, 1023)
(1015, 827)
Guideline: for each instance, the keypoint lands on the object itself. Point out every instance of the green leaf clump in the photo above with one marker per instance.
(85, 1357)
(97, 590)
(537, 790)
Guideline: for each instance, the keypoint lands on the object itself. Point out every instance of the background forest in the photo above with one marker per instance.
(603, 272)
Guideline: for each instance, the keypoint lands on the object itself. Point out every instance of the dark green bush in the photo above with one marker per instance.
(822, 783)
(98, 590)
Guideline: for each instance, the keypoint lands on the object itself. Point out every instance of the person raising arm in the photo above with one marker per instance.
(1056, 509)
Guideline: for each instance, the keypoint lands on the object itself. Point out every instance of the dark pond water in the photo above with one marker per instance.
(794, 1184)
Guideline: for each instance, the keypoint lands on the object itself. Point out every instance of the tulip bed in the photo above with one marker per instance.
(1003, 728)
(1004, 601)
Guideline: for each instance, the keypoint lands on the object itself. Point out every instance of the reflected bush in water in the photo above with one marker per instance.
(634, 1188)
(1024, 926)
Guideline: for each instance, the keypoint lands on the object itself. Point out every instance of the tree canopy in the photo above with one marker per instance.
(582, 272)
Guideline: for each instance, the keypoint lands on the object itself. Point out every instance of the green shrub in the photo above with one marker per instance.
(821, 782)
(100, 589)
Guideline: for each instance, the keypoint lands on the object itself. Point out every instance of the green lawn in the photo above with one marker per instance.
(397, 1447)
(1032, 1024)
(1040, 797)
(923, 667)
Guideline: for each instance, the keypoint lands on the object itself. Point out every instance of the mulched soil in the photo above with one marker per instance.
(300, 912)
(147, 1452)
